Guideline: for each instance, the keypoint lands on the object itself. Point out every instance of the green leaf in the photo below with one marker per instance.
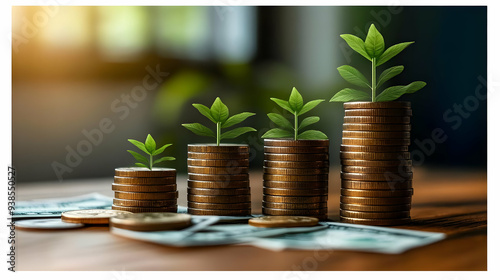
(277, 133)
(374, 42)
(150, 144)
(312, 135)
(199, 129)
(296, 102)
(308, 121)
(309, 106)
(141, 165)
(283, 104)
(219, 111)
(389, 74)
(280, 120)
(236, 132)
(393, 93)
(236, 119)
(163, 159)
(356, 44)
(205, 111)
(392, 51)
(353, 76)
(160, 150)
(138, 157)
(139, 145)
(349, 94)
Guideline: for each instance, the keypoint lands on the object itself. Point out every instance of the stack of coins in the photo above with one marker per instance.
(140, 190)
(296, 178)
(376, 166)
(218, 181)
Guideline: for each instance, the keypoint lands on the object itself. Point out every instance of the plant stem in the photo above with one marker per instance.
(150, 162)
(374, 79)
(218, 133)
(296, 130)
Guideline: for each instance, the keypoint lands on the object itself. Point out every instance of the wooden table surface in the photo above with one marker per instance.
(453, 202)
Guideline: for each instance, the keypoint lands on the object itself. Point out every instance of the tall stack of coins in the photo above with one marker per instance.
(376, 165)
(218, 181)
(296, 178)
(139, 189)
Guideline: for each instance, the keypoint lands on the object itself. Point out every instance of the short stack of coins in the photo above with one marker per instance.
(139, 190)
(218, 180)
(376, 164)
(296, 178)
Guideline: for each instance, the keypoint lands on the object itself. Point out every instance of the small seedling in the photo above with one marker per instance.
(219, 114)
(296, 106)
(373, 49)
(149, 147)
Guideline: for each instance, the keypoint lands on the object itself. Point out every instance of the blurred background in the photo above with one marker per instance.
(86, 79)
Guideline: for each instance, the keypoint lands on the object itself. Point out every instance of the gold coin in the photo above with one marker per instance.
(375, 163)
(145, 172)
(283, 221)
(218, 178)
(295, 212)
(375, 215)
(375, 208)
(377, 134)
(375, 127)
(217, 170)
(295, 143)
(296, 157)
(211, 212)
(296, 184)
(295, 199)
(218, 185)
(219, 198)
(132, 209)
(295, 150)
(296, 164)
(145, 180)
(147, 196)
(375, 105)
(222, 148)
(375, 169)
(295, 192)
(144, 203)
(295, 171)
(375, 119)
(145, 188)
(224, 191)
(375, 222)
(375, 200)
(90, 216)
(373, 149)
(386, 185)
(218, 156)
(220, 206)
(218, 162)
(375, 156)
(377, 193)
(394, 112)
(375, 177)
(293, 178)
(293, 206)
(151, 221)
(373, 141)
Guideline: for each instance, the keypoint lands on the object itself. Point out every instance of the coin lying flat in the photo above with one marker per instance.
(377, 134)
(375, 127)
(218, 162)
(375, 200)
(221, 148)
(387, 185)
(132, 209)
(217, 170)
(396, 112)
(151, 221)
(294, 212)
(231, 212)
(201, 191)
(283, 221)
(296, 178)
(220, 178)
(373, 105)
(144, 203)
(145, 188)
(373, 149)
(375, 156)
(377, 119)
(375, 222)
(296, 184)
(294, 206)
(218, 198)
(375, 208)
(218, 184)
(220, 206)
(297, 164)
(224, 156)
(295, 143)
(372, 141)
(295, 150)
(46, 224)
(296, 157)
(379, 163)
(145, 180)
(147, 196)
(295, 171)
(295, 199)
(295, 192)
(374, 169)
(374, 177)
(376, 193)
(145, 172)
(375, 215)
(90, 216)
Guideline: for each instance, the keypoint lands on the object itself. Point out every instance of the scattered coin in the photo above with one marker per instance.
(219, 178)
(214, 148)
(146, 196)
(296, 164)
(295, 143)
(396, 112)
(296, 212)
(375, 201)
(144, 203)
(224, 191)
(295, 192)
(217, 170)
(374, 105)
(376, 163)
(377, 134)
(295, 150)
(376, 119)
(295, 199)
(373, 149)
(375, 222)
(294, 178)
(375, 169)
(375, 156)
(218, 184)
(90, 216)
(145, 180)
(145, 172)
(387, 185)
(145, 209)
(151, 221)
(296, 185)
(218, 162)
(374, 177)
(220, 206)
(219, 199)
(375, 127)
(293, 206)
(295, 171)
(296, 157)
(193, 211)
(375, 208)
(283, 221)
(371, 141)
(375, 215)
(376, 193)
(46, 224)
(145, 188)
(218, 156)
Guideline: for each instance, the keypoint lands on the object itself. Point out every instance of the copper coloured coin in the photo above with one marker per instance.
(295, 171)
(217, 170)
(374, 169)
(375, 156)
(294, 206)
(297, 164)
(144, 203)
(145, 180)
(376, 163)
(376, 193)
(295, 143)
(295, 199)
(219, 198)
(296, 157)
(220, 206)
(283, 221)
(386, 185)
(375, 200)
(218, 156)
(377, 119)
(375, 127)
(386, 177)
(377, 134)
(132, 209)
(395, 112)
(296, 184)
(295, 192)
(145, 172)
(230, 163)
(375, 222)
(214, 148)
(231, 212)
(218, 184)
(374, 105)
(373, 141)
(90, 216)
(147, 196)
(375, 215)
(372, 148)
(201, 191)
(145, 188)
(219, 178)
(294, 178)
(295, 212)
(375, 208)
(295, 150)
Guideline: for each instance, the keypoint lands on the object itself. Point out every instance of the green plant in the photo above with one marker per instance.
(296, 106)
(373, 49)
(219, 114)
(149, 147)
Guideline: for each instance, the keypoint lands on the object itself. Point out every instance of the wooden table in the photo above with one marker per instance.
(453, 202)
